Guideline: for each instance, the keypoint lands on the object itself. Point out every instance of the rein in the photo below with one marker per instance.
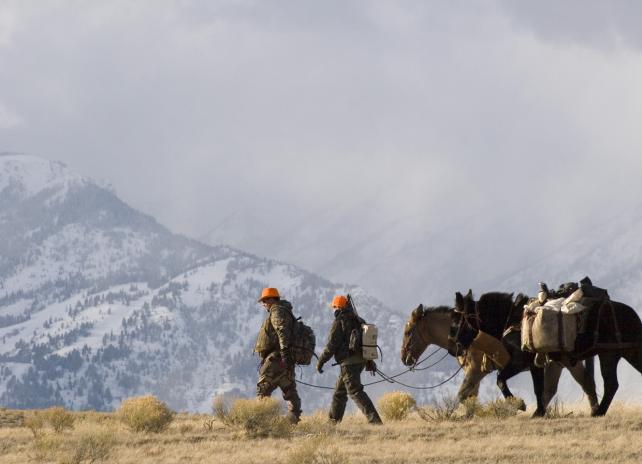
(391, 378)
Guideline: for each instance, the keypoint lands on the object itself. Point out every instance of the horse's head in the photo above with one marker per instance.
(426, 326)
(460, 323)
(414, 342)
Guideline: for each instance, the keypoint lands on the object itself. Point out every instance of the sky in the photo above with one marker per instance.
(358, 139)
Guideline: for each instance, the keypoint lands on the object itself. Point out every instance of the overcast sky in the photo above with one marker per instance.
(274, 115)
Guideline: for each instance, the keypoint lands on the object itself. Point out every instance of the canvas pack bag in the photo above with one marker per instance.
(492, 348)
(369, 334)
(549, 328)
(363, 341)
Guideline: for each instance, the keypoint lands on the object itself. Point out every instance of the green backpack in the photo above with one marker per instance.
(303, 342)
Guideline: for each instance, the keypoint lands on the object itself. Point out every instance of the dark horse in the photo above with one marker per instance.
(434, 326)
(613, 331)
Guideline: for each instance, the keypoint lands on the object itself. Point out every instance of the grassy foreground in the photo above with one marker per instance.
(570, 436)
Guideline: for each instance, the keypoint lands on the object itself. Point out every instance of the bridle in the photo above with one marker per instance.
(412, 332)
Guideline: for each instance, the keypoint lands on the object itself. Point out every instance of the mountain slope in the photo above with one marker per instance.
(99, 302)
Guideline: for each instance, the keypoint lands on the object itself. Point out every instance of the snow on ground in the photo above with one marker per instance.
(74, 249)
(16, 309)
(200, 279)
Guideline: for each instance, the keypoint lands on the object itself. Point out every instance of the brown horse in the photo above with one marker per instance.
(432, 326)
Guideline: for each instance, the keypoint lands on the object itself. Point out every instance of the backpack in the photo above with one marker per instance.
(303, 343)
(363, 341)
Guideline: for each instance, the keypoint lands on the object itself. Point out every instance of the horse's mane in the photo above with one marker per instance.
(493, 299)
(438, 309)
(494, 310)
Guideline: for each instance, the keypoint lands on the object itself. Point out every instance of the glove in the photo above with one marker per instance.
(371, 367)
(320, 367)
(286, 360)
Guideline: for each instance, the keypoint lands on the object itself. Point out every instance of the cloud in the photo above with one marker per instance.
(400, 134)
(593, 23)
(7, 26)
(8, 119)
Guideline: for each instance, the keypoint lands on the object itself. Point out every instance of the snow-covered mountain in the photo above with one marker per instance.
(99, 302)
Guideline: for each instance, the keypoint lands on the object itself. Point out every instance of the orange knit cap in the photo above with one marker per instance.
(269, 293)
(339, 302)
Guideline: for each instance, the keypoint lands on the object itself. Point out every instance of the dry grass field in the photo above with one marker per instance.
(568, 436)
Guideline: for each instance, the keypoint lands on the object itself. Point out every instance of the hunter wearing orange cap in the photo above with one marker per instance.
(342, 345)
(274, 346)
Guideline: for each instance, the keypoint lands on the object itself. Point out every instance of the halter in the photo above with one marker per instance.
(413, 331)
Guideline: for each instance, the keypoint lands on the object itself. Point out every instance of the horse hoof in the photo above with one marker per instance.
(537, 414)
(521, 405)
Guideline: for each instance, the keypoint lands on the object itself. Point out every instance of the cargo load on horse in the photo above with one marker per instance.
(604, 328)
(554, 321)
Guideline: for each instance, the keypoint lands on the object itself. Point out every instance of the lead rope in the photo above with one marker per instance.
(391, 379)
(429, 387)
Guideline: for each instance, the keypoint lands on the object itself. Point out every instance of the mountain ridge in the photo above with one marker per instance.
(99, 302)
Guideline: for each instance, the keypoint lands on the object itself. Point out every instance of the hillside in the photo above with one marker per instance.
(99, 302)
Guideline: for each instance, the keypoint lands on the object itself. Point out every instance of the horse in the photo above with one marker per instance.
(428, 326)
(499, 316)
(613, 331)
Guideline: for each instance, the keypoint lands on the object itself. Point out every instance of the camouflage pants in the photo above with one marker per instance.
(349, 383)
(273, 376)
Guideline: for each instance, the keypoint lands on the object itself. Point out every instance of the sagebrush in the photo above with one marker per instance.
(444, 409)
(316, 451)
(396, 405)
(260, 417)
(145, 414)
(59, 419)
(90, 446)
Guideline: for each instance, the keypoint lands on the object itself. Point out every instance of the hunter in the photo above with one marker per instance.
(345, 322)
(274, 346)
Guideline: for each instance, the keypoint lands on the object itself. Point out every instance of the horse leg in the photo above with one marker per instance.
(537, 373)
(509, 371)
(584, 376)
(608, 366)
(552, 373)
(474, 375)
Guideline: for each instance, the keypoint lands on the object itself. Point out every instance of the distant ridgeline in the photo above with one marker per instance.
(98, 302)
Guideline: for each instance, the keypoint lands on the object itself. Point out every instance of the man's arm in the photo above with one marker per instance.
(334, 342)
(282, 321)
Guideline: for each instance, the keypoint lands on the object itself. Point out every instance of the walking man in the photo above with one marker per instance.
(352, 363)
(274, 346)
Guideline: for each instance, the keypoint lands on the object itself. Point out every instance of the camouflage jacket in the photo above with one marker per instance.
(276, 333)
(345, 321)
